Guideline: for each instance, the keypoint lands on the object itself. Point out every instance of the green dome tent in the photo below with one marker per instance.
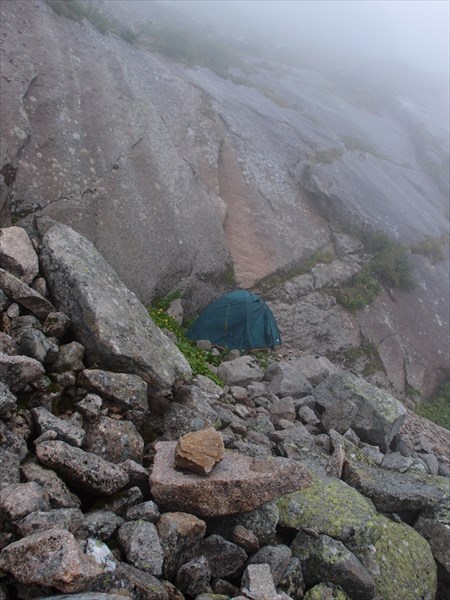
(238, 320)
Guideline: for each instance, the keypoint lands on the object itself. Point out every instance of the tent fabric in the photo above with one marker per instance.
(239, 320)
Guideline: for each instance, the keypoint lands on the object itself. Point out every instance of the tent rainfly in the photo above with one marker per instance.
(239, 320)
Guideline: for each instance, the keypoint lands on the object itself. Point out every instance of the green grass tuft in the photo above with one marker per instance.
(437, 409)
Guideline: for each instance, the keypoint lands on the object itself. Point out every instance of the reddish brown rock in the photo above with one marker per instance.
(199, 451)
(238, 483)
(51, 558)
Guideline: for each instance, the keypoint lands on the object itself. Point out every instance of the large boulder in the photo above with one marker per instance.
(106, 316)
(400, 560)
(349, 401)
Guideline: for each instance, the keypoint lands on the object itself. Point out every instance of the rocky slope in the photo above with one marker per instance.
(188, 180)
(327, 488)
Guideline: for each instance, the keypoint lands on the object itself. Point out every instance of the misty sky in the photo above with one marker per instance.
(415, 31)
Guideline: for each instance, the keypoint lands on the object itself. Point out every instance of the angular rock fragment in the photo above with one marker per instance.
(277, 557)
(68, 358)
(56, 324)
(237, 484)
(99, 524)
(85, 471)
(17, 371)
(107, 318)
(7, 399)
(69, 519)
(391, 492)
(199, 451)
(9, 467)
(17, 254)
(124, 390)
(57, 491)
(240, 371)
(51, 558)
(141, 546)
(180, 535)
(434, 525)
(19, 499)
(65, 429)
(285, 379)
(120, 502)
(193, 577)
(113, 440)
(226, 559)
(257, 582)
(134, 582)
(20, 292)
(326, 559)
(350, 401)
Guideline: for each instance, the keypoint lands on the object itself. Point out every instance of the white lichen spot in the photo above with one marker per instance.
(76, 136)
(33, 99)
(20, 133)
(72, 151)
(92, 170)
(39, 154)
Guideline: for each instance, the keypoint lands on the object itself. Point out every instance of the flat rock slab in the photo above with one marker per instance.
(238, 484)
(17, 254)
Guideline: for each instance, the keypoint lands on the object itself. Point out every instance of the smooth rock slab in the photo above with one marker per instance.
(199, 451)
(84, 470)
(51, 558)
(238, 483)
(106, 316)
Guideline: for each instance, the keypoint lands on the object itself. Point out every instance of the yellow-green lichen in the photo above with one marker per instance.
(406, 566)
(331, 507)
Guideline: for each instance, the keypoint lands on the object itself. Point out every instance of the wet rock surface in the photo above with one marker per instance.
(93, 505)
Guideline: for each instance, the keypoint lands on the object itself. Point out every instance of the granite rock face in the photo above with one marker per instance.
(106, 316)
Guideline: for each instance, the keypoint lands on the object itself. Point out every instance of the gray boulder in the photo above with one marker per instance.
(180, 535)
(141, 546)
(106, 316)
(240, 371)
(51, 558)
(114, 440)
(58, 493)
(389, 491)
(121, 389)
(326, 559)
(17, 371)
(349, 401)
(85, 471)
(66, 430)
(286, 379)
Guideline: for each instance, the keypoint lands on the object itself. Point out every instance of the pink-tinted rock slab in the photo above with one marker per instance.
(238, 483)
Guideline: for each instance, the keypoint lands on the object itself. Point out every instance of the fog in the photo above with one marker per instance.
(412, 32)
